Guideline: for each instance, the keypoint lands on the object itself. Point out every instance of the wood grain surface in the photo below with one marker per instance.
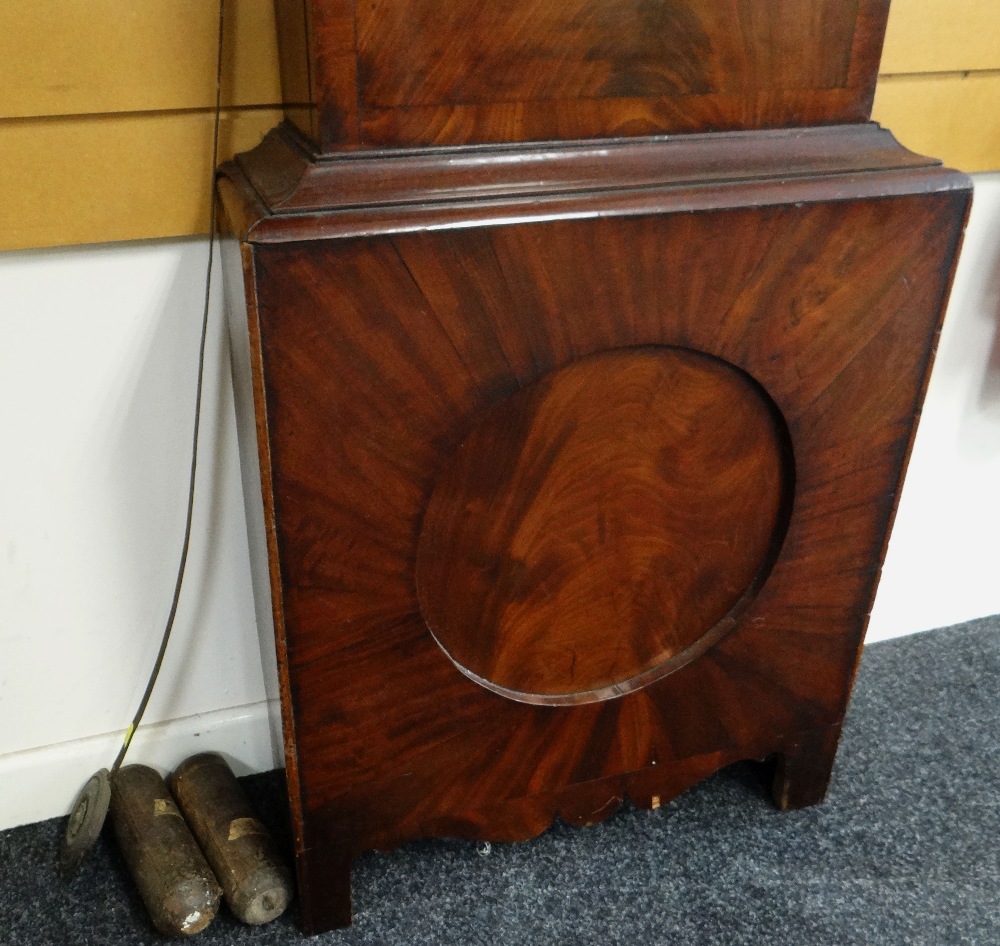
(286, 177)
(578, 459)
(376, 356)
(404, 73)
(424, 52)
(599, 528)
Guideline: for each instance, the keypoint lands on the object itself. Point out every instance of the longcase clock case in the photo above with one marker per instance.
(582, 350)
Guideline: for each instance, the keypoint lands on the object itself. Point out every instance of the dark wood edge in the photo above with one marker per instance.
(242, 207)
(866, 49)
(288, 714)
(804, 762)
(411, 218)
(268, 190)
(525, 817)
(803, 769)
(290, 178)
(951, 259)
(253, 351)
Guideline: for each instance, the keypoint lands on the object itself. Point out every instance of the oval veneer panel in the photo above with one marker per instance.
(603, 526)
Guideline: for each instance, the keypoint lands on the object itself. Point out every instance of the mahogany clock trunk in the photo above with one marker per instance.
(582, 350)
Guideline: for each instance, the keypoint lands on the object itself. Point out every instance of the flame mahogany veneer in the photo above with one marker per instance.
(410, 73)
(577, 458)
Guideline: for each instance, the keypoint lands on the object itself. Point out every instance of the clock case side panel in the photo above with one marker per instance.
(368, 341)
(324, 857)
(256, 474)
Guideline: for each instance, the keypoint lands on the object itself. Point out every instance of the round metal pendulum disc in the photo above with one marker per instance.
(85, 822)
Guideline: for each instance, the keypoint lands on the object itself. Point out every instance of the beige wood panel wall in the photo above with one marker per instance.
(106, 106)
(106, 112)
(939, 89)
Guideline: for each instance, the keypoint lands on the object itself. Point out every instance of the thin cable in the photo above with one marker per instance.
(130, 732)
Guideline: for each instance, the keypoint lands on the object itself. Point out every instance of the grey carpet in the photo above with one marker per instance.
(905, 851)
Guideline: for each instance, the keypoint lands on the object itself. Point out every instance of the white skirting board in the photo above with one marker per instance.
(41, 783)
(97, 359)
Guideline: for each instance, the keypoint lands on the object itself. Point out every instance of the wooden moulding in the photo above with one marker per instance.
(283, 191)
(422, 329)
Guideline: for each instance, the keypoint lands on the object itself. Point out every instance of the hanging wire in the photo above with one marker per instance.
(130, 732)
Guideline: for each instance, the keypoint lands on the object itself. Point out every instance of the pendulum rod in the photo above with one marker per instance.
(90, 808)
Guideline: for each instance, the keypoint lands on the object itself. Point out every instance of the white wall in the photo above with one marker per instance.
(943, 562)
(97, 371)
(98, 351)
